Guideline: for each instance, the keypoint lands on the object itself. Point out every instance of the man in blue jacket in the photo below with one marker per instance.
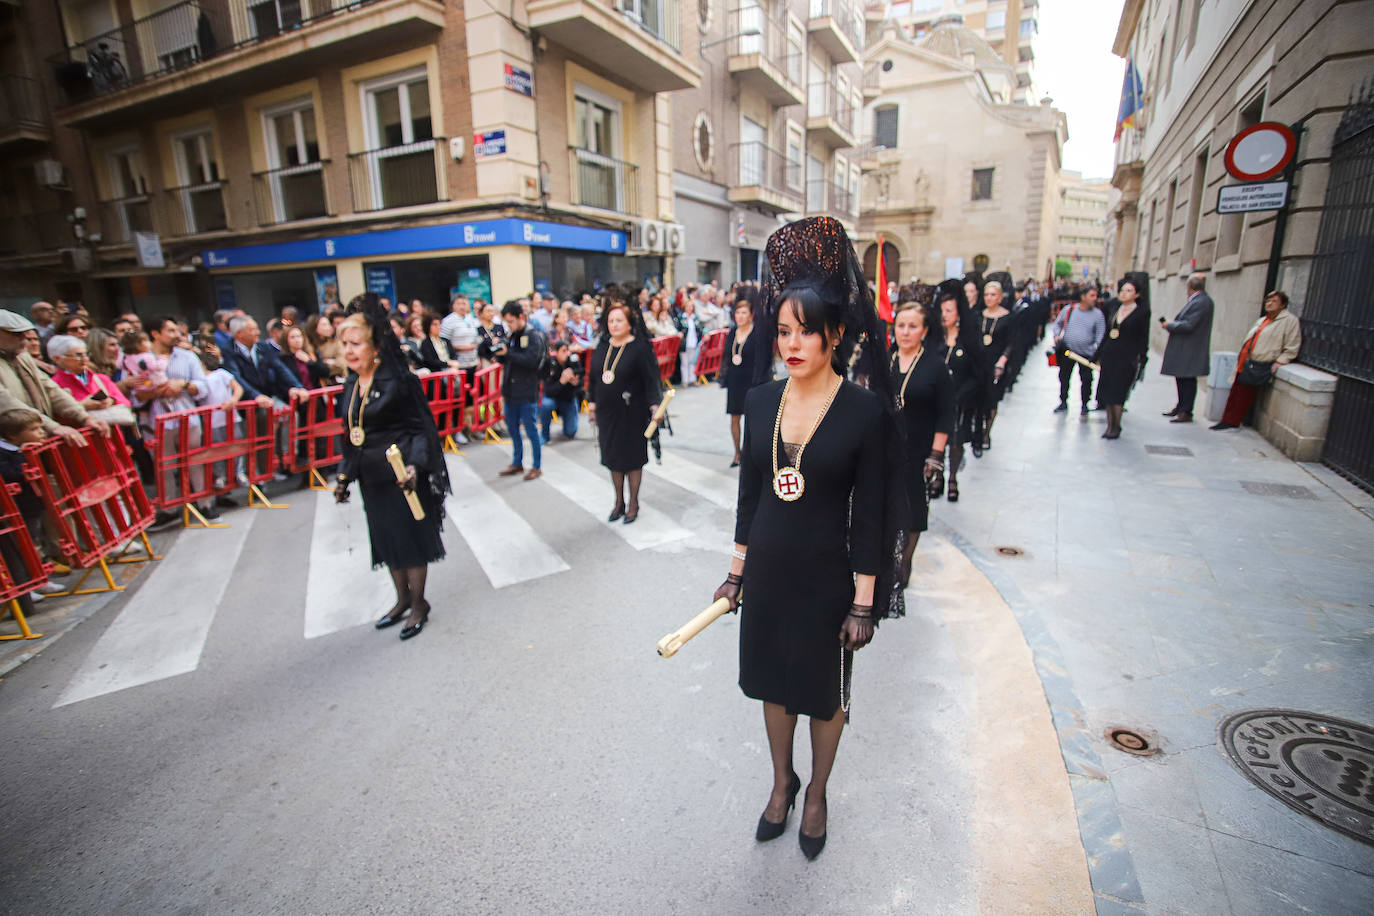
(257, 366)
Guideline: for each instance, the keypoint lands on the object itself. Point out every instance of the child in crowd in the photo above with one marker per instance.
(140, 362)
(19, 427)
(222, 388)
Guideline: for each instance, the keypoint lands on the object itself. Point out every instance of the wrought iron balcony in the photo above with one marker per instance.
(830, 115)
(122, 217)
(769, 59)
(639, 39)
(399, 176)
(825, 198)
(603, 182)
(838, 26)
(766, 178)
(21, 110)
(196, 208)
(292, 193)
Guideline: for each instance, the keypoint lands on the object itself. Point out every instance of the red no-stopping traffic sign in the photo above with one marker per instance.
(1261, 152)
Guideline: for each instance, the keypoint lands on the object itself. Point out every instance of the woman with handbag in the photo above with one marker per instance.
(1123, 349)
(1274, 341)
(820, 513)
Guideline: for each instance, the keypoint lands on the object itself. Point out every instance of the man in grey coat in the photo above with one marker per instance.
(1188, 355)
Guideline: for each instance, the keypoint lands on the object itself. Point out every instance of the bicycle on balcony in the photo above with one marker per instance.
(105, 68)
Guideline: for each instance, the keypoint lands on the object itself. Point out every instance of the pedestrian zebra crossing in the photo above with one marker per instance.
(162, 628)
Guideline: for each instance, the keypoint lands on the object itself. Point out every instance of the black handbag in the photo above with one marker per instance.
(1255, 373)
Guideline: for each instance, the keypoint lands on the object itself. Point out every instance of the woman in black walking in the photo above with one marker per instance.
(623, 392)
(1123, 351)
(962, 353)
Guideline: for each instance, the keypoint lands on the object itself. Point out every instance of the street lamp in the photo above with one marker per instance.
(747, 33)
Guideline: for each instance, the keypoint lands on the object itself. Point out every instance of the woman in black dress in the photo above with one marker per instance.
(623, 392)
(996, 332)
(820, 513)
(925, 402)
(382, 404)
(962, 353)
(739, 363)
(1123, 349)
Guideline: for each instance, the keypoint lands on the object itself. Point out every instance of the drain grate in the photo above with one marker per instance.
(1006, 551)
(1260, 488)
(1177, 451)
(1317, 765)
(1131, 740)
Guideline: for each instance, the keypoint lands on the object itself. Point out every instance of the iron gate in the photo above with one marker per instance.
(1338, 315)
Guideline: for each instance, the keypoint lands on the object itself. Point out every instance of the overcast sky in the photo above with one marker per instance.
(1075, 65)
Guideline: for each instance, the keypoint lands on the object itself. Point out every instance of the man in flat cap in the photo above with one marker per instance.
(23, 384)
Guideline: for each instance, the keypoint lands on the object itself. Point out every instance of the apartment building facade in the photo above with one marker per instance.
(1083, 225)
(767, 135)
(209, 153)
(951, 193)
(1210, 70)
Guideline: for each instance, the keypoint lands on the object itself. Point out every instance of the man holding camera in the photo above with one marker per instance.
(523, 354)
(563, 378)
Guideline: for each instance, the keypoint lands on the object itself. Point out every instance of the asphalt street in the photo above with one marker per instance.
(229, 735)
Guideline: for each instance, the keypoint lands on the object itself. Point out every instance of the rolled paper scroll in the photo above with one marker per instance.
(398, 465)
(1083, 359)
(668, 645)
(659, 414)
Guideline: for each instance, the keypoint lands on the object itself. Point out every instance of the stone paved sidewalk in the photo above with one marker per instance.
(1168, 579)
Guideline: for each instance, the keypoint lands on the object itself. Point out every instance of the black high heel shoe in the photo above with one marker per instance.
(616, 513)
(767, 830)
(413, 629)
(393, 618)
(632, 517)
(811, 846)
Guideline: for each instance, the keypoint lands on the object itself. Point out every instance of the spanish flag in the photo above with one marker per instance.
(1131, 102)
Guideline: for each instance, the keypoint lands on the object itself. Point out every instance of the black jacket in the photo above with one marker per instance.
(268, 377)
(553, 372)
(526, 353)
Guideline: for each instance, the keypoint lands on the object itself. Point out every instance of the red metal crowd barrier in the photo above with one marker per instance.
(709, 356)
(22, 569)
(200, 453)
(487, 407)
(447, 398)
(93, 498)
(665, 351)
(314, 433)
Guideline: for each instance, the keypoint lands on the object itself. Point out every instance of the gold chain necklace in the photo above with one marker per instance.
(788, 483)
(988, 331)
(608, 374)
(897, 365)
(355, 427)
(737, 348)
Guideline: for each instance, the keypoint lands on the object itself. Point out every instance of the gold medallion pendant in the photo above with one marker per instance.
(788, 484)
(987, 340)
(607, 378)
(356, 435)
(737, 359)
(1116, 332)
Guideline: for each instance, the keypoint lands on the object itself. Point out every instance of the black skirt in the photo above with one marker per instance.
(398, 540)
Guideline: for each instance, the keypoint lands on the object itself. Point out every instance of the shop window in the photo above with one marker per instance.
(982, 184)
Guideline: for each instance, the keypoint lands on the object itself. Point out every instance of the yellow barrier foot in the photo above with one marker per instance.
(110, 584)
(24, 631)
(317, 481)
(137, 558)
(492, 437)
(189, 510)
(451, 446)
(262, 500)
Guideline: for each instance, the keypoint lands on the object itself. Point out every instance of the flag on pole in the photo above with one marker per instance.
(884, 301)
(1131, 94)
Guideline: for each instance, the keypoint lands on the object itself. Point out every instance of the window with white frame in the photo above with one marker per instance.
(602, 175)
(855, 177)
(815, 185)
(795, 145)
(129, 190)
(295, 179)
(840, 204)
(400, 164)
(198, 192)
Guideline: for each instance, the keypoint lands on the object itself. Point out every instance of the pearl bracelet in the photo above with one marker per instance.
(737, 554)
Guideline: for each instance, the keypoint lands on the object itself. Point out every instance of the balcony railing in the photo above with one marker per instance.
(181, 36)
(848, 17)
(197, 208)
(291, 193)
(20, 102)
(603, 182)
(122, 217)
(31, 233)
(399, 176)
(757, 165)
(824, 100)
(823, 196)
(660, 18)
(773, 41)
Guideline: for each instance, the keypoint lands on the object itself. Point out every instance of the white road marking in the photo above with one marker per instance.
(162, 630)
(715, 486)
(592, 491)
(343, 590)
(508, 549)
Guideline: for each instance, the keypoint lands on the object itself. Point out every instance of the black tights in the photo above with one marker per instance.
(618, 481)
(410, 590)
(912, 537)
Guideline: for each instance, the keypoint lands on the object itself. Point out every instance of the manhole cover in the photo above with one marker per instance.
(1010, 551)
(1318, 765)
(1176, 450)
(1130, 740)
(1260, 488)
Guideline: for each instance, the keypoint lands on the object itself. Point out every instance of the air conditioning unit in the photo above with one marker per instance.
(676, 238)
(655, 235)
(49, 173)
(637, 243)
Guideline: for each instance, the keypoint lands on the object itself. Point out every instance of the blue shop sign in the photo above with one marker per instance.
(479, 234)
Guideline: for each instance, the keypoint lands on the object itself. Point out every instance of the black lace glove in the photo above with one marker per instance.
(408, 484)
(857, 629)
(729, 590)
(341, 490)
(934, 474)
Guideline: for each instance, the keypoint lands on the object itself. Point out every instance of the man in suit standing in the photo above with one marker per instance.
(1188, 354)
(257, 367)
